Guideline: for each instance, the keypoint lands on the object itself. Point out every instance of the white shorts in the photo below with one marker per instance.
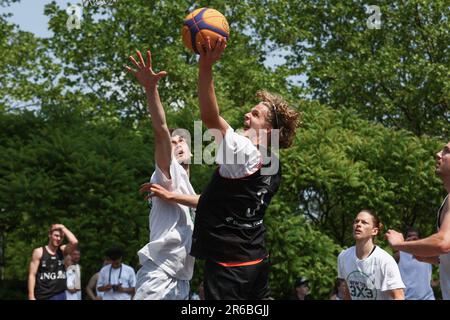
(153, 283)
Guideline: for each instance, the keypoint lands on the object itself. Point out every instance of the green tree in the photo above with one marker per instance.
(342, 164)
(26, 68)
(298, 248)
(73, 172)
(397, 75)
(81, 157)
(90, 64)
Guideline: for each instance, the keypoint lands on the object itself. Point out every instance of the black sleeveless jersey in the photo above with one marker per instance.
(51, 275)
(229, 217)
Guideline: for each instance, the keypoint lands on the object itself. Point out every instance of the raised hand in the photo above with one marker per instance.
(58, 226)
(209, 55)
(144, 73)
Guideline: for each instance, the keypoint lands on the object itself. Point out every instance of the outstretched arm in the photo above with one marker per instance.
(155, 190)
(148, 79)
(434, 245)
(209, 109)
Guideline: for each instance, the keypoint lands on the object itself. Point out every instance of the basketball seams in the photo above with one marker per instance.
(195, 36)
(196, 24)
(198, 31)
(197, 27)
(203, 19)
(210, 18)
(208, 25)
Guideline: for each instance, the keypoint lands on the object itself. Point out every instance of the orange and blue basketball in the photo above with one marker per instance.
(202, 23)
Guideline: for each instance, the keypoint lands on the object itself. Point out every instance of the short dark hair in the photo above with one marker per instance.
(114, 253)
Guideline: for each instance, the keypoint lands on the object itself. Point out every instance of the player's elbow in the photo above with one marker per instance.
(442, 242)
(444, 246)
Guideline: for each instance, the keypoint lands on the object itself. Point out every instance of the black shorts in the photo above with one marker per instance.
(236, 283)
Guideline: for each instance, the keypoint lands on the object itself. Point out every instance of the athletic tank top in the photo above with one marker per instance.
(229, 217)
(51, 275)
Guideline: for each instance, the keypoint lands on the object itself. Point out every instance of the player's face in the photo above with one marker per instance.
(56, 238)
(256, 119)
(443, 161)
(363, 226)
(180, 149)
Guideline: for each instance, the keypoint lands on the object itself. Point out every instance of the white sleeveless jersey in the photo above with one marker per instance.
(171, 226)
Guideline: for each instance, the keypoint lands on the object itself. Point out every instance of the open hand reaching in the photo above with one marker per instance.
(144, 73)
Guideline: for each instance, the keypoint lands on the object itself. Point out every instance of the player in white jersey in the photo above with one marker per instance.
(370, 272)
(167, 266)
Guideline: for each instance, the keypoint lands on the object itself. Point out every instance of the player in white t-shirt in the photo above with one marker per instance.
(167, 266)
(415, 274)
(434, 249)
(370, 272)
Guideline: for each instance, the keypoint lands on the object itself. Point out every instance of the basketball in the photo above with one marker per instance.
(202, 23)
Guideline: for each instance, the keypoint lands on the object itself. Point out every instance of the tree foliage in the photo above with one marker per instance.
(397, 75)
(298, 248)
(85, 176)
(342, 164)
(80, 156)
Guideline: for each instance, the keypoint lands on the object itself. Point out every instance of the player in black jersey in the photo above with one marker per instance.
(229, 231)
(47, 274)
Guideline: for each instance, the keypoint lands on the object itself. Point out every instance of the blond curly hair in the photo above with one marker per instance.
(281, 116)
